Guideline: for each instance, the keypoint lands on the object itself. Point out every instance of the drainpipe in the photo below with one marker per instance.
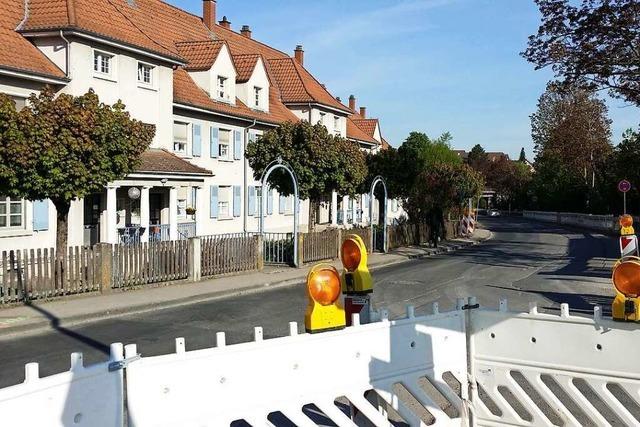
(66, 59)
(245, 171)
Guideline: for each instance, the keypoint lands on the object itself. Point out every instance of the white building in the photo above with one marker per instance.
(208, 90)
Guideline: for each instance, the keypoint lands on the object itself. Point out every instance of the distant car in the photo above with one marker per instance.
(493, 212)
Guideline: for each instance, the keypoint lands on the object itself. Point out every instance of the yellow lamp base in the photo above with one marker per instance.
(625, 309)
(322, 318)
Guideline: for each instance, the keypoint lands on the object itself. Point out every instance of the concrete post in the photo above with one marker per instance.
(260, 252)
(339, 242)
(334, 208)
(200, 211)
(144, 213)
(300, 251)
(106, 265)
(345, 208)
(195, 254)
(112, 215)
(173, 213)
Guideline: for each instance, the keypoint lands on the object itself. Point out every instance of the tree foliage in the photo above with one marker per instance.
(478, 158)
(573, 126)
(322, 162)
(510, 180)
(590, 42)
(66, 147)
(442, 186)
(523, 155)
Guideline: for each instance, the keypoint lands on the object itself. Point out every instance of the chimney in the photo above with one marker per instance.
(246, 31)
(363, 112)
(298, 54)
(352, 102)
(225, 23)
(338, 99)
(209, 13)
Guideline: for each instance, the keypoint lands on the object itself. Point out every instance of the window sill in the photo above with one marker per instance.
(226, 160)
(226, 218)
(104, 77)
(224, 100)
(17, 233)
(147, 87)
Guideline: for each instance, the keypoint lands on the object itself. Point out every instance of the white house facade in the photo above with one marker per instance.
(207, 89)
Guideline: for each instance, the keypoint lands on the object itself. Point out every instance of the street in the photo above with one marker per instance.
(524, 261)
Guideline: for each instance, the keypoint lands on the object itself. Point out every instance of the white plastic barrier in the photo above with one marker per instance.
(523, 369)
(250, 381)
(540, 369)
(83, 396)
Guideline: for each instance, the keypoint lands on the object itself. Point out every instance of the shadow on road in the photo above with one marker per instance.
(54, 322)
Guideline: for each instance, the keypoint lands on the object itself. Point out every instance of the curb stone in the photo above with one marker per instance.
(39, 327)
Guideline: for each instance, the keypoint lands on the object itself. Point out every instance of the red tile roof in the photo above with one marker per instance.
(354, 132)
(297, 85)
(367, 125)
(385, 144)
(245, 64)
(160, 160)
(16, 53)
(200, 54)
(187, 92)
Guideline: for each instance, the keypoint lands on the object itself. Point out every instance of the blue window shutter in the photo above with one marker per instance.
(252, 201)
(237, 200)
(40, 215)
(237, 145)
(270, 202)
(213, 201)
(282, 204)
(196, 141)
(213, 142)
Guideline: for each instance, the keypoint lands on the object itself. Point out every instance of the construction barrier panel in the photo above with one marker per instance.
(469, 366)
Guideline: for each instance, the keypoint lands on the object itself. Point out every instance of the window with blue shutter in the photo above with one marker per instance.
(213, 142)
(237, 145)
(196, 141)
(40, 215)
(270, 202)
(252, 201)
(237, 200)
(282, 201)
(213, 201)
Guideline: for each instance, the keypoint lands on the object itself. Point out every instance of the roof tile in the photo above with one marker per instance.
(200, 55)
(161, 160)
(245, 64)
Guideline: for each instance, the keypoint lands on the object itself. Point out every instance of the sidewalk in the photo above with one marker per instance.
(41, 316)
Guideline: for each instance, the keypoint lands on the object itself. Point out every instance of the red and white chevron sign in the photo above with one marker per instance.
(628, 245)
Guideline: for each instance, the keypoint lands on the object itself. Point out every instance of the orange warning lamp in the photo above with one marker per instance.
(626, 279)
(626, 225)
(324, 310)
(356, 278)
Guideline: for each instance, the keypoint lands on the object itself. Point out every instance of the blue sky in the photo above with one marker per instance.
(425, 65)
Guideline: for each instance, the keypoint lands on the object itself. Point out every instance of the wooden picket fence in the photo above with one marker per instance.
(407, 235)
(224, 254)
(363, 232)
(31, 274)
(153, 262)
(322, 245)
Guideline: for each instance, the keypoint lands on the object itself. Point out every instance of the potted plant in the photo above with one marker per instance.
(190, 210)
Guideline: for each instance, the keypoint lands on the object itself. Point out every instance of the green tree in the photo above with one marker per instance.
(590, 42)
(478, 158)
(65, 147)
(322, 162)
(511, 182)
(622, 164)
(445, 186)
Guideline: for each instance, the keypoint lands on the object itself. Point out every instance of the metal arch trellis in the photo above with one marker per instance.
(263, 180)
(378, 180)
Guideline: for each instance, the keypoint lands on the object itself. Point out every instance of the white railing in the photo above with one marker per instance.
(606, 223)
(522, 369)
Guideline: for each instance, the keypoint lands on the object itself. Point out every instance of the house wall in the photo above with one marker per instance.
(302, 112)
(258, 78)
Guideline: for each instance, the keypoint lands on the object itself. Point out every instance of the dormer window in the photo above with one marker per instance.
(145, 74)
(257, 94)
(221, 90)
(103, 64)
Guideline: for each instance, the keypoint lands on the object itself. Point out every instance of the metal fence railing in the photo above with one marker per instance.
(159, 232)
(277, 248)
(186, 230)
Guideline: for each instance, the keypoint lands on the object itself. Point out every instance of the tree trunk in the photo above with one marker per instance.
(62, 224)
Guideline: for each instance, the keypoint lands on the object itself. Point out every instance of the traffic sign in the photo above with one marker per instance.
(624, 186)
(628, 246)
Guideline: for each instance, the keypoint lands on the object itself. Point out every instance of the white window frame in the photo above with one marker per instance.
(6, 203)
(257, 97)
(113, 65)
(229, 144)
(222, 91)
(289, 201)
(321, 120)
(152, 75)
(336, 125)
(225, 204)
(185, 142)
(181, 206)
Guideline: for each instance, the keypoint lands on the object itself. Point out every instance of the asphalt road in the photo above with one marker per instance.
(525, 261)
